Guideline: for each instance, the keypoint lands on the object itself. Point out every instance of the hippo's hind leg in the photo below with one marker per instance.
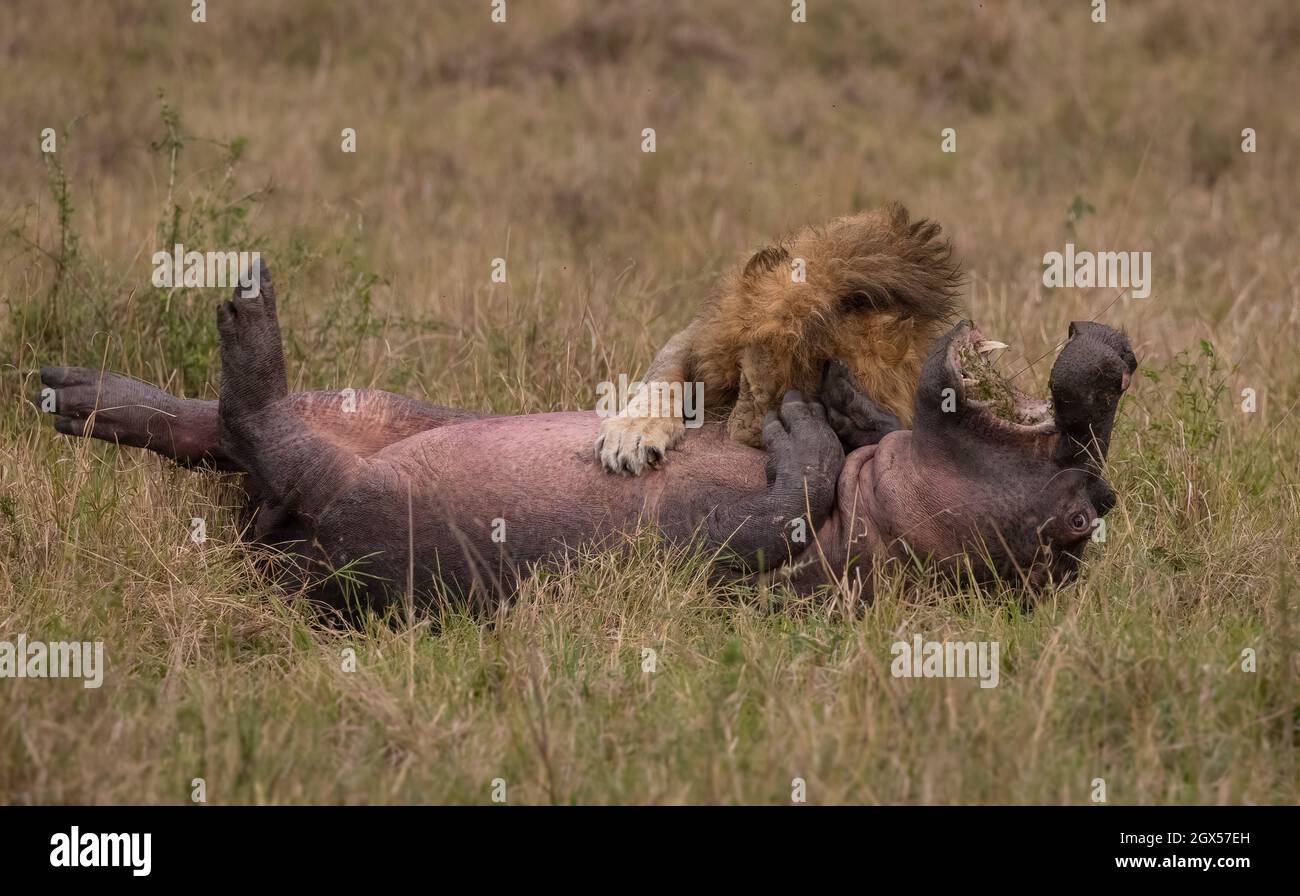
(115, 408)
(253, 379)
(294, 467)
(98, 404)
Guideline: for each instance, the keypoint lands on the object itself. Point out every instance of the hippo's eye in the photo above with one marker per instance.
(1080, 521)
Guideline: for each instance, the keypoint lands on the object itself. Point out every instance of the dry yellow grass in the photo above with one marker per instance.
(522, 141)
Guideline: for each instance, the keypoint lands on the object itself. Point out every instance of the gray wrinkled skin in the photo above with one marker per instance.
(412, 493)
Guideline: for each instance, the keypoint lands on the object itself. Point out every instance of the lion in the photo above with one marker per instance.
(872, 291)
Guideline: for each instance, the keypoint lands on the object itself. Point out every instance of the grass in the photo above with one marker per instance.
(522, 141)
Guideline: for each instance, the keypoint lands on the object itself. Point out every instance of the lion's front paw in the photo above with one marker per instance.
(745, 425)
(629, 444)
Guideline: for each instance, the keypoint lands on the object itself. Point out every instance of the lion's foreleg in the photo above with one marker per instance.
(765, 375)
(642, 433)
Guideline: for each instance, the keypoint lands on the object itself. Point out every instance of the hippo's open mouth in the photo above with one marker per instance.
(987, 391)
(1021, 476)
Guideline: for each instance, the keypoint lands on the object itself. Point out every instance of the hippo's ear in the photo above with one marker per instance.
(1088, 378)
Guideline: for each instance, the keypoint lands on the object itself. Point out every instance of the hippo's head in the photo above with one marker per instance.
(990, 476)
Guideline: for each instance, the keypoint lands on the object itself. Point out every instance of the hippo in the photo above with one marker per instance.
(420, 498)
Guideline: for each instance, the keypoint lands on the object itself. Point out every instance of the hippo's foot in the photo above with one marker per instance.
(252, 363)
(102, 405)
(856, 419)
(96, 404)
(803, 453)
(804, 459)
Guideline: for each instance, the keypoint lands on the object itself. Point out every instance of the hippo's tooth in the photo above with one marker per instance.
(988, 346)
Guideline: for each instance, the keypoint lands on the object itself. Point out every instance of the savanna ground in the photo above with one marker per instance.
(523, 141)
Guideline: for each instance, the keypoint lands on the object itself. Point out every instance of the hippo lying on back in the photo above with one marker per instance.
(998, 483)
